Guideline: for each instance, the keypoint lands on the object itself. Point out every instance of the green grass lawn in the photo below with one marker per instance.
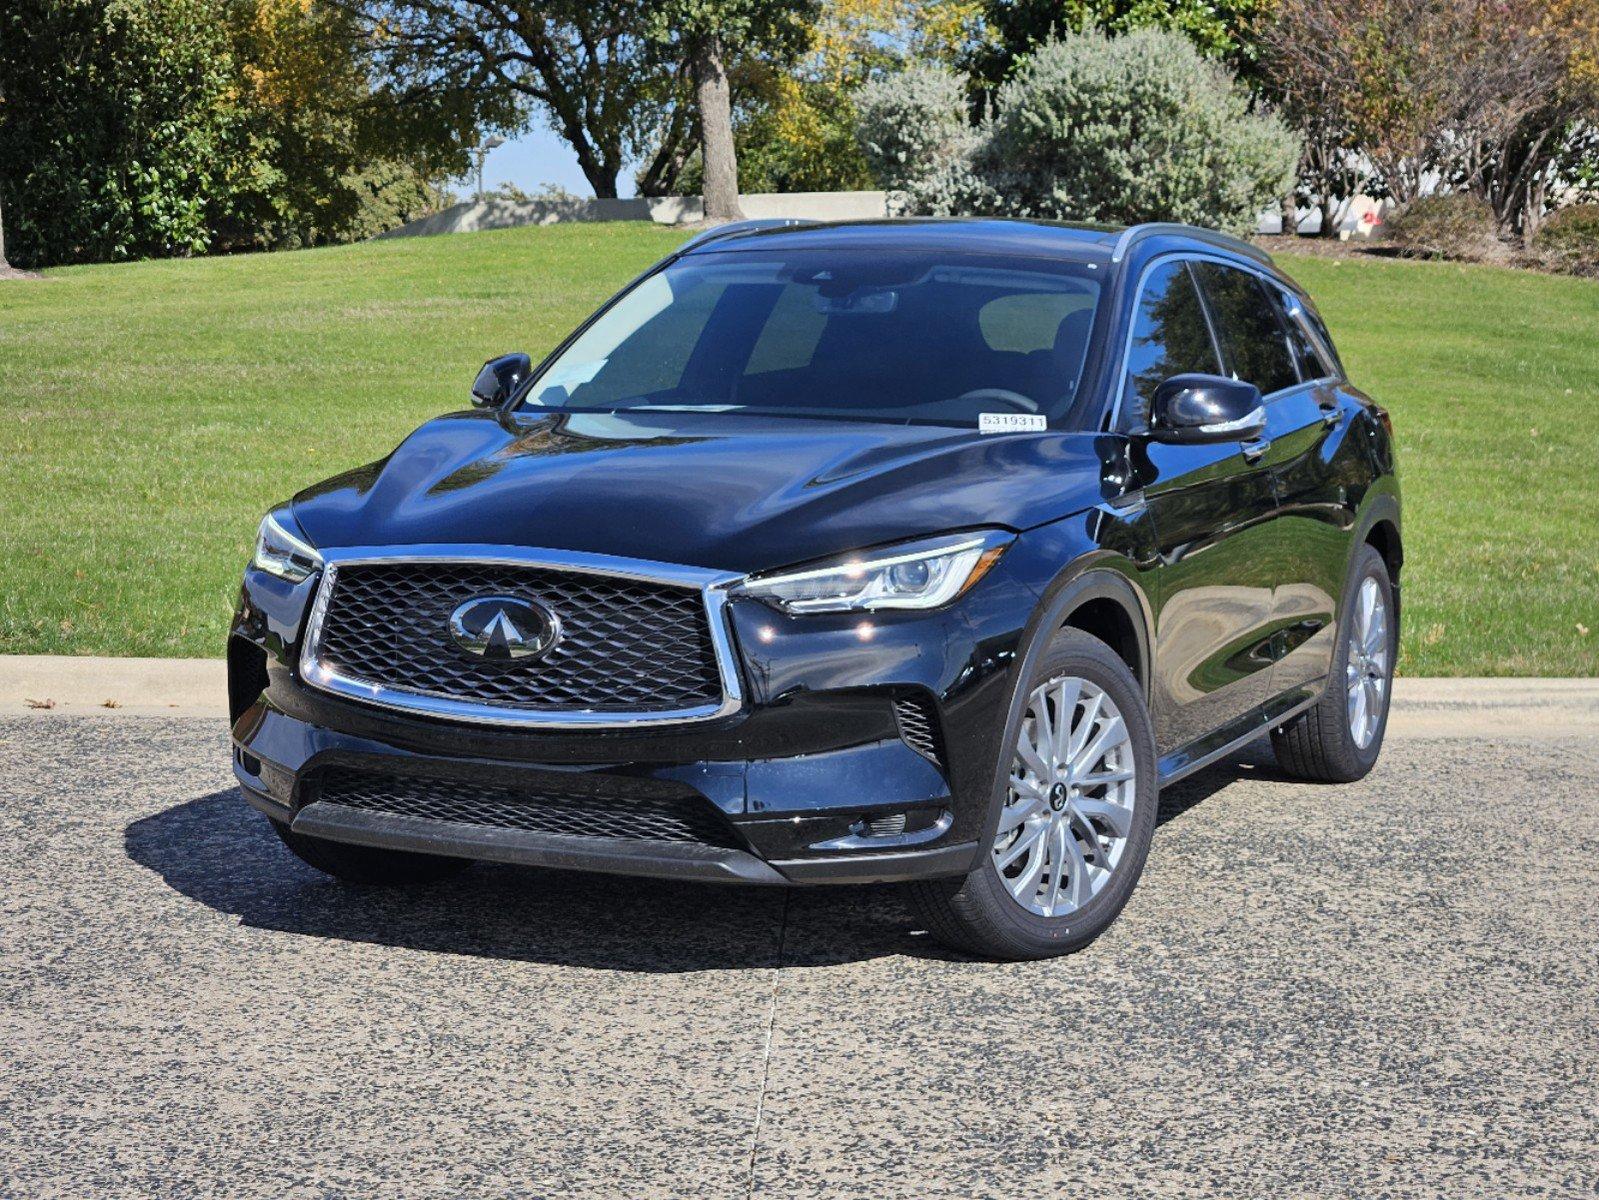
(150, 412)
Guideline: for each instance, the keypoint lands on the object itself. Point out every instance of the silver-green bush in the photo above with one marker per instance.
(913, 130)
(1134, 128)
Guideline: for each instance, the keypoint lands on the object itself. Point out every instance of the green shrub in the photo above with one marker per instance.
(1134, 128)
(1569, 239)
(912, 128)
(1458, 226)
(113, 126)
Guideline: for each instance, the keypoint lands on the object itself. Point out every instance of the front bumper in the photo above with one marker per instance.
(817, 778)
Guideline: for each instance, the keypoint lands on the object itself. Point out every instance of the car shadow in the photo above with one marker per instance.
(1254, 761)
(218, 851)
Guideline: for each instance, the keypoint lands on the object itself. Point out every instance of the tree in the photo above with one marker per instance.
(586, 66)
(702, 36)
(114, 122)
(1015, 28)
(1422, 90)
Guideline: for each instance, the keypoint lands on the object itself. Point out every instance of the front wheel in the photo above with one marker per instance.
(1077, 814)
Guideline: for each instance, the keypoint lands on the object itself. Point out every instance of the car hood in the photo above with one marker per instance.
(738, 493)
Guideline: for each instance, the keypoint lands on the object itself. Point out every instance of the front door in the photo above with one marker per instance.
(1211, 509)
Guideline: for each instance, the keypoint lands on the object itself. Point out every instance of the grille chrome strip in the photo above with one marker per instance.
(712, 585)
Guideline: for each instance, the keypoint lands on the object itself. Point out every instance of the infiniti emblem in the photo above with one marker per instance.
(503, 628)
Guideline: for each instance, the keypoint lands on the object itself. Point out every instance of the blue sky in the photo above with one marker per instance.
(537, 156)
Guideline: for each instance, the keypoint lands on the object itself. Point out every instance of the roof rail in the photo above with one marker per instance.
(1136, 233)
(739, 229)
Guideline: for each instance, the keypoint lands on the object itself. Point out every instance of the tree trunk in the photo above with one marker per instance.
(1290, 215)
(4, 265)
(716, 133)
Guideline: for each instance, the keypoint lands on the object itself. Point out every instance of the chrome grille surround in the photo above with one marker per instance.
(712, 586)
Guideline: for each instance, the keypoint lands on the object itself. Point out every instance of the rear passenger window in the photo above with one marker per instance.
(1254, 342)
(1170, 337)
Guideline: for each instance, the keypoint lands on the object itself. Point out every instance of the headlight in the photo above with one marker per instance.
(281, 553)
(917, 575)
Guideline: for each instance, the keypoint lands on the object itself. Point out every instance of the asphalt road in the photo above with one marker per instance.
(1386, 989)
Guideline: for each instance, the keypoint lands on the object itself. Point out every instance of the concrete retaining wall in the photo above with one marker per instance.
(663, 210)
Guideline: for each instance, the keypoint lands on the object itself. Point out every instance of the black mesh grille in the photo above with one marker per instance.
(918, 727)
(651, 812)
(626, 645)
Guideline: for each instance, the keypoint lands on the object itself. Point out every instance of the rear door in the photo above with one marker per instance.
(1318, 478)
(1210, 508)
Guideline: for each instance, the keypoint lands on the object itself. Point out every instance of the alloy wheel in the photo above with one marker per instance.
(1366, 671)
(1069, 807)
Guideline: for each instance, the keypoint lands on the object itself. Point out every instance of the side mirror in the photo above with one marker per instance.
(497, 382)
(1192, 409)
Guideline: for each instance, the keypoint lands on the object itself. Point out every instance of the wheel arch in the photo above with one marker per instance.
(1105, 603)
(1089, 590)
(1379, 528)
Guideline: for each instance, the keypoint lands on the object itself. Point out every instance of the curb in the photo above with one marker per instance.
(42, 685)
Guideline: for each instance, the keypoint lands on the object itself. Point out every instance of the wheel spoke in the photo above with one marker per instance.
(1066, 693)
(1082, 886)
(1085, 728)
(1057, 844)
(1020, 846)
(1043, 735)
(1014, 814)
(1103, 777)
(1111, 734)
(1026, 884)
(1028, 753)
(1118, 817)
(1357, 709)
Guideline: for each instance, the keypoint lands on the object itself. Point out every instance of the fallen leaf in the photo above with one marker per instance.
(111, 704)
(1582, 630)
(39, 703)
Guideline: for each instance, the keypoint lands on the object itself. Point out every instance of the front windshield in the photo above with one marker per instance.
(876, 336)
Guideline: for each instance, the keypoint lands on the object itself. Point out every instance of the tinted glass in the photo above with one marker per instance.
(1253, 341)
(1170, 337)
(868, 336)
(1300, 344)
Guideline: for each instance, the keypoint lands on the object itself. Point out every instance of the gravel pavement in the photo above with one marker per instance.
(1385, 989)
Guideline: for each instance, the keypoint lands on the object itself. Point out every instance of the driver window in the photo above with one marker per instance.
(1170, 337)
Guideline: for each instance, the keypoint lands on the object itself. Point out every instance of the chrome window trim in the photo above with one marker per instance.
(1119, 379)
(712, 585)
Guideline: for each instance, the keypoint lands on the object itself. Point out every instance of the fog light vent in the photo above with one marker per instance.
(890, 825)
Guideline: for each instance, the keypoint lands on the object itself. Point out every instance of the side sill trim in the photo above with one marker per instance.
(1265, 721)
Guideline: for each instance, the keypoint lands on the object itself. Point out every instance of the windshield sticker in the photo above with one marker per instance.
(1012, 423)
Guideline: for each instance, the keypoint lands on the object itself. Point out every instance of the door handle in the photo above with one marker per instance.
(1254, 448)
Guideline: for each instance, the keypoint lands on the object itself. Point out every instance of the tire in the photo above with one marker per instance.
(983, 913)
(368, 864)
(1321, 744)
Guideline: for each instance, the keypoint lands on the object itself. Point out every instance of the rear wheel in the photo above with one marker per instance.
(1338, 740)
(1077, 815)
(368, 864)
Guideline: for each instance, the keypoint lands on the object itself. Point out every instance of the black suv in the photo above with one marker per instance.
(921, 551)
